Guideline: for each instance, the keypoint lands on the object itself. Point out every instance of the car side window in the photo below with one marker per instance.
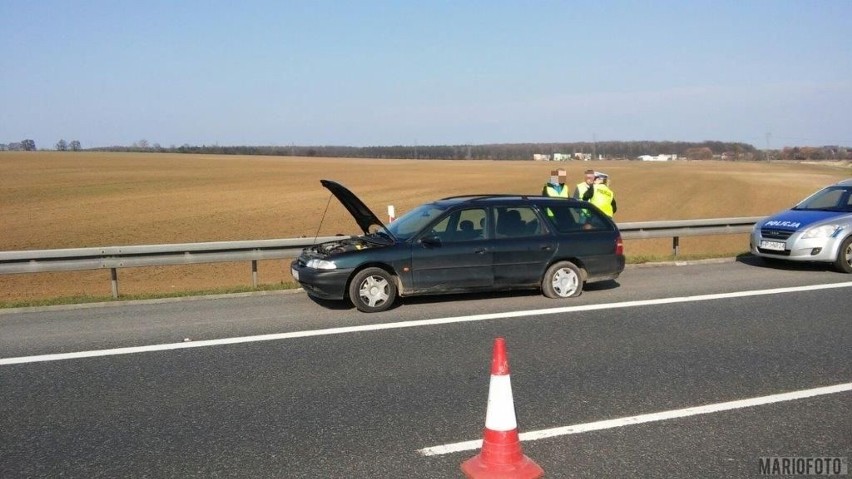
(517, 221)
(470, 225)
(462, 225)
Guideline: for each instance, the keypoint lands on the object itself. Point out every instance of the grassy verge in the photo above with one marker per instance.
(642, 259)
(131, 297)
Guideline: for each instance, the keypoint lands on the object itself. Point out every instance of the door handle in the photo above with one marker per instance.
(546, 247)
(481, 250)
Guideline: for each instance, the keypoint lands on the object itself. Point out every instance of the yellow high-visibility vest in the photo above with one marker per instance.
(551, 191)
(602, 198)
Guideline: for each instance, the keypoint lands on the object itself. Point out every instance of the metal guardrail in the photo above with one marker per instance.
(678, 228)
(115, 257)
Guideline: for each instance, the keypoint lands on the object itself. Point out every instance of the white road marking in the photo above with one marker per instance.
(658, 416)
(408, 324)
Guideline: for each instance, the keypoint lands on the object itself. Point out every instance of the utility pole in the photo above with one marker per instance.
(768, 146)
(594, 146)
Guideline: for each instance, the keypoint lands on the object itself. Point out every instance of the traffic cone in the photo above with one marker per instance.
(501, 455)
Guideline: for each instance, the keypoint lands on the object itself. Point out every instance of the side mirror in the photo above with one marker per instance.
(431, 241)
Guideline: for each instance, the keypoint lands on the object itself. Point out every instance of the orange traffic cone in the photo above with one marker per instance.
(501, 455)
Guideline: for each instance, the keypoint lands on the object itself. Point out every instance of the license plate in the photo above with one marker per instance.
(295, 274)
(772, 245)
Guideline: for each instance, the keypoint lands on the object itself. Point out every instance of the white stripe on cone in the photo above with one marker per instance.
(500, 415)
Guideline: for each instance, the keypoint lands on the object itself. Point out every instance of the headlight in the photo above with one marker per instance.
(824, 231)
(321, 264)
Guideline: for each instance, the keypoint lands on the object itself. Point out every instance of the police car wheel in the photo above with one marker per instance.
(843, 263)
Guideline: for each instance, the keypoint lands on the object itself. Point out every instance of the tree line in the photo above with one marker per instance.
(500, 151)
(627, 150)
(23, 145)
(29, 145)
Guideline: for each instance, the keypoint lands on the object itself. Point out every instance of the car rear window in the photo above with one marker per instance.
(571, 217)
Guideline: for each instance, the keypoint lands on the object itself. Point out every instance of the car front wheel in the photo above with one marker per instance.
(843, 263)
(372, 290)
(562, 280)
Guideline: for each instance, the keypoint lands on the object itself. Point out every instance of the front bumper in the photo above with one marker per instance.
(321, 283)
(797, 249)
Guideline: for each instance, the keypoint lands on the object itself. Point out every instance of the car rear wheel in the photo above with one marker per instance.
(562, 280)
(843, 263)
(372, 290)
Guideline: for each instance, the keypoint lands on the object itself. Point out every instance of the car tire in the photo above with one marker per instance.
(372, 290)
(843, 263)
(562, 280)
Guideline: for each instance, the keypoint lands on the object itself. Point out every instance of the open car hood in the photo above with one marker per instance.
(365, 218)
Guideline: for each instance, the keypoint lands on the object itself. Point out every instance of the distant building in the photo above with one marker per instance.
(563, 157)
(658, 158)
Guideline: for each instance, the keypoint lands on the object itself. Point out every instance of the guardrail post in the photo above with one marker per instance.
(113, 273)
(676, 244)
(254, 273)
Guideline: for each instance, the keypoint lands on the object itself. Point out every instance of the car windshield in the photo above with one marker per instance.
(828, 199)
(415, 220)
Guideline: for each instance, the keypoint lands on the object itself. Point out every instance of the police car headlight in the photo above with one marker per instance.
(824, 231)
(321, 264)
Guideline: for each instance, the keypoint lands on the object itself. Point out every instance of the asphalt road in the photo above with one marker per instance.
(326, 391)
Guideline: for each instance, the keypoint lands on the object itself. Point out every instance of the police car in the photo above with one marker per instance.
(818, 229)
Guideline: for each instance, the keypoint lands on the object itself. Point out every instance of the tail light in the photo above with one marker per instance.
(619, 245)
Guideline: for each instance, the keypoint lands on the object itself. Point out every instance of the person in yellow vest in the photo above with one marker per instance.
(585, 190)
(556, 187)
(603, 197)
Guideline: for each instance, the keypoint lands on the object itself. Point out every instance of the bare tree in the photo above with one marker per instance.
(61, 145)
(75, 145)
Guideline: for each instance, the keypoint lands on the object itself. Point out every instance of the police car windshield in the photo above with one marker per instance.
(828, 199)
(415, 220)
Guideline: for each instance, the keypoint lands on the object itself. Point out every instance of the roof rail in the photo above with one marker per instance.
(489, 195)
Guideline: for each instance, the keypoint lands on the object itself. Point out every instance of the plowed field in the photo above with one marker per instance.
(72, 200)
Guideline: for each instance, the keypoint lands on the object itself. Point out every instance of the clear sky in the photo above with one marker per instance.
(362, 73)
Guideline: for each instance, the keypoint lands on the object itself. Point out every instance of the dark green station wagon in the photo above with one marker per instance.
(463, 244)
